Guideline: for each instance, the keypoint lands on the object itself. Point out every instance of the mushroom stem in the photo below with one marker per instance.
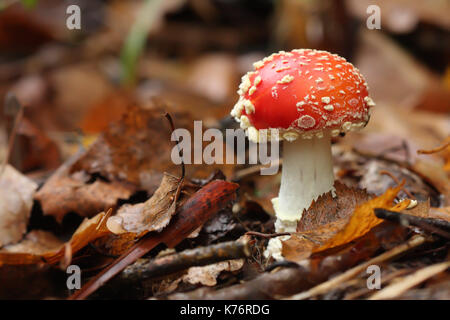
(307, 173)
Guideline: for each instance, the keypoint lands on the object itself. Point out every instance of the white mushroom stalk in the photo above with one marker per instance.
(307, 173)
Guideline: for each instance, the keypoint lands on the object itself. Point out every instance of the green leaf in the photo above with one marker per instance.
(136, 39)
(29, 4)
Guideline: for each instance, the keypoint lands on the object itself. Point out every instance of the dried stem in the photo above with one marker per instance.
(267, 235)
(399, 287)
(336, 281)
(435, 150)
(398, 182)
(201, 256)
(436, 226)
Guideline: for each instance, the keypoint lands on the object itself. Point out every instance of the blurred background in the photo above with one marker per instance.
(190, 55)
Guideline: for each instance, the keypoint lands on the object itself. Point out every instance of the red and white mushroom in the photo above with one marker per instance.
(308, 96)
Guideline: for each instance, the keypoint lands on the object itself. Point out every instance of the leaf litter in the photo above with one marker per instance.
(124, 185)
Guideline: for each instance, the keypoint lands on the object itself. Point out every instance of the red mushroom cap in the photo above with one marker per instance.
(302, 93)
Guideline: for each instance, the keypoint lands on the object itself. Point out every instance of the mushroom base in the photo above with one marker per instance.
(307, 174)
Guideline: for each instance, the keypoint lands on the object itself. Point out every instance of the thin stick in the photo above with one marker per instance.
(435, 150)
(397, 182)
(408, 282)
(200, 256)
(267, 235)
(427, 224)
(332, 283)
(172, 126)
(385, 279)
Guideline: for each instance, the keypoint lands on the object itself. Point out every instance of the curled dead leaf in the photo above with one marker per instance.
(152, 215)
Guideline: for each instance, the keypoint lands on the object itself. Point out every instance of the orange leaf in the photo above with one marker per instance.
(364, 219)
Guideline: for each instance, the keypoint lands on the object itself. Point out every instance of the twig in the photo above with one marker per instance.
(398, 182)
(408, 282)
(183, 169)
(385, 279)
(427, 224)
(282, 263)
(267, 235)
(325, 286)
(435, 150)
(172, 126)
(180, 261)
(265, 286)
(288, 281)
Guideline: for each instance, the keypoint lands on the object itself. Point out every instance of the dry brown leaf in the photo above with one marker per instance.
(207, 275)
(440, 213)
(36, 242)
(327, 208)
(16, 200)
(363, 218)
(89, 230)
(332, 222)
(135, 150)
(71, 192)
(300, 245)
(152, 215)
(116, 244)
(435, 174)
(326, 217)
(41, 152)
(131, 155)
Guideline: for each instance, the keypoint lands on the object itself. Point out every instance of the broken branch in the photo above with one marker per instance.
(436, 226)
(180, 261)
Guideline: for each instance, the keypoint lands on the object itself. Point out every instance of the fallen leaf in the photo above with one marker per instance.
(300, 245)
(136, 150)
(216, 228)
(435, 174)
(67, 192)
(327, 208)
(207, 275)
(440, 213)
(325, 217)
(36, 242)
(128, 157)
(41, 152)
(331, 222)
(152, 215)
(16, 200)
(363, 218)
(376, 183)
(89, 230)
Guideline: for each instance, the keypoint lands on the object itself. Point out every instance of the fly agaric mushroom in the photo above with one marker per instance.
(308, 96)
